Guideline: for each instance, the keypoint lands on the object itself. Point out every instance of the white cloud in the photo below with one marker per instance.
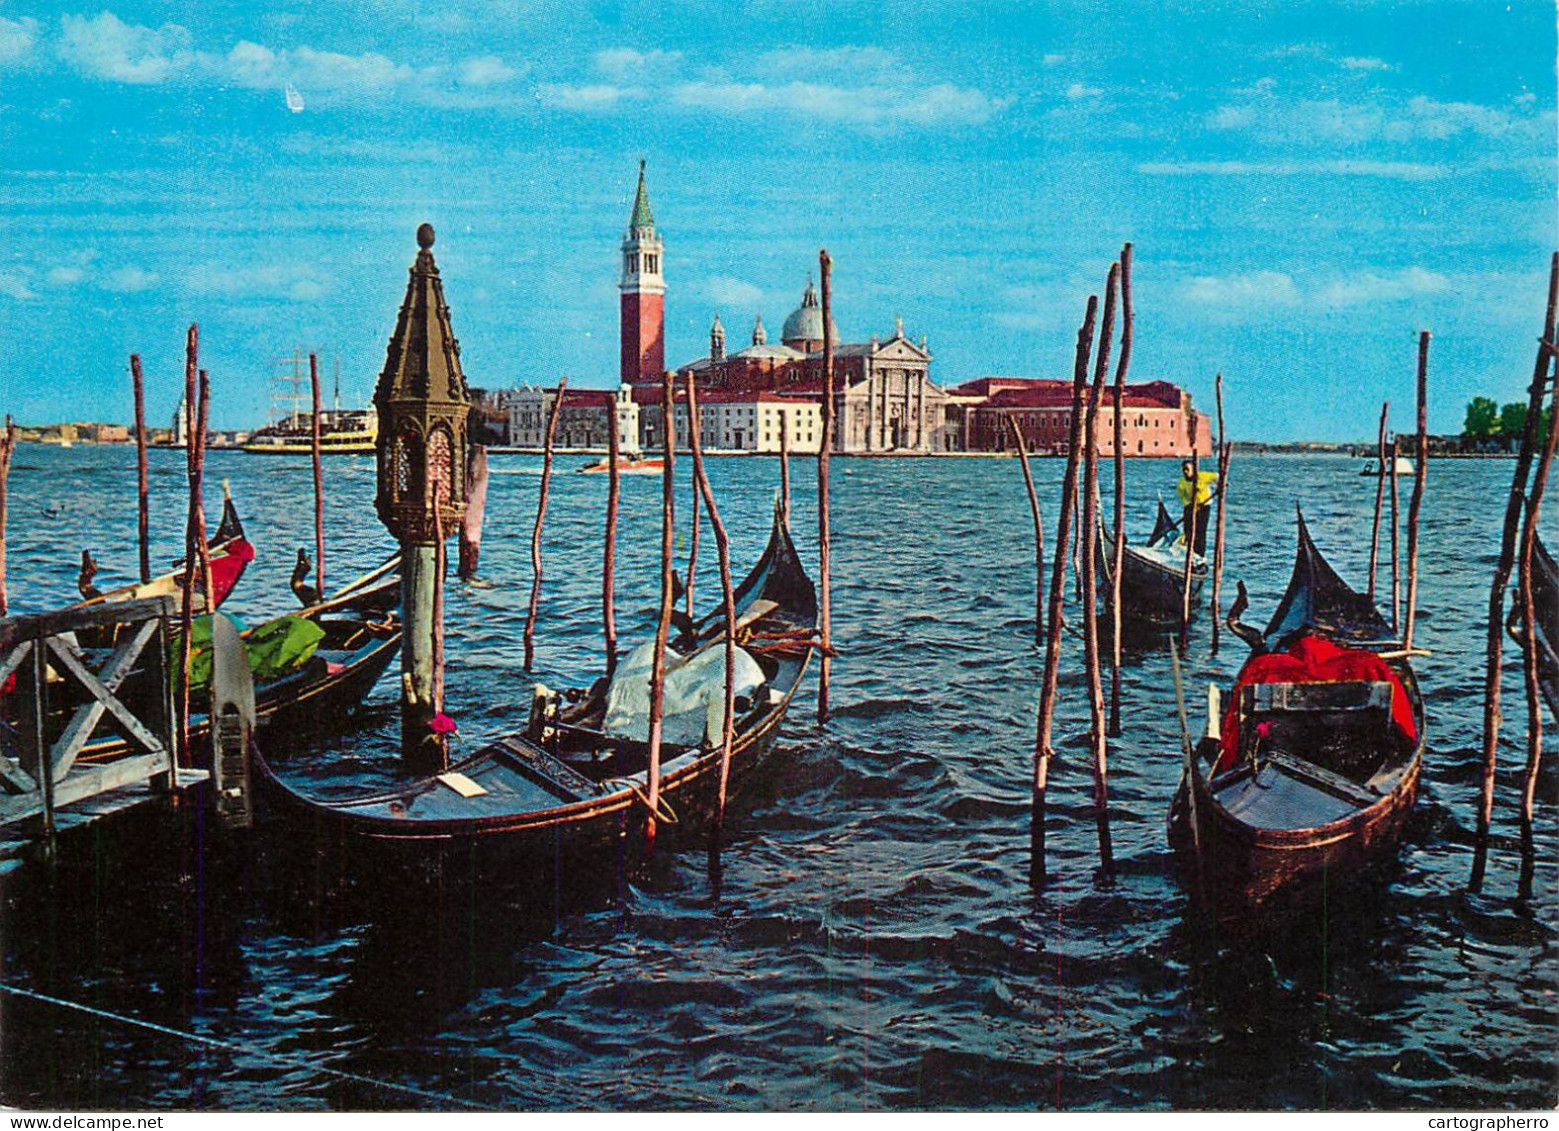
(866, 106)
(1260, 288)
(1077, 91)
(106, 47)
(17, 38)
(485, 70)
(295, 281)
(736, 294)
(598, 96)
(65, 276)
(830, 64)
(13, 284)
(1393, 170)
(1231, 117)
(1364, 63)
(1394, 286)
(1053, 59)
(625, 65)
(127, 280)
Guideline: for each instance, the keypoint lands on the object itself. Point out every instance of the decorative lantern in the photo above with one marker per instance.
(423, 404)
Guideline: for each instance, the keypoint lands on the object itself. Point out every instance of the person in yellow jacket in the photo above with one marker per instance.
(1195, 489)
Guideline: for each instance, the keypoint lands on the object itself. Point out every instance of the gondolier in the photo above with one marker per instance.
(1195, 489)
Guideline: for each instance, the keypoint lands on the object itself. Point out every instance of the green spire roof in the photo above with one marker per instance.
(642, 216)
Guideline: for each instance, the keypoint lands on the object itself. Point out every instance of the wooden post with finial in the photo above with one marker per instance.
(1416, 502)
(424, 409)
(142, 510)
(728, 599)
(1039, 530)
(825, 626)
(1098, 723)
(1514, 506)
(1380, 497)
(668, 532)
(319, 478)
(1047, 685)
(609, 551)
(1222, 456)
(1118, 556)
(541, 517)
(7, 449)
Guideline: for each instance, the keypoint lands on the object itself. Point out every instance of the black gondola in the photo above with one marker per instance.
(1310, 774)
(567, 785)
(1152, 575)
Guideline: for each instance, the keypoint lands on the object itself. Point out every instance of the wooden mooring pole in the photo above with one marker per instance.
(1190, 539)
(728, 598)
(1039, 530)
(187, 608)
(784, 418)
(1118, 556)
(1396, 559)
(1380, 497)
(668, 532)
(824, 608)
(1529, 619)
(609, 551)
(1098, 723)
(1221, 452)
(692, 545)
(1047, 685)
(1420, 476)
(470, 549)
(1514, 506)
(7, 449)
(541, 517)
(319, 479)
(142, 511)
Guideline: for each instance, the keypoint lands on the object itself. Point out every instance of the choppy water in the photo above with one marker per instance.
(874, 944)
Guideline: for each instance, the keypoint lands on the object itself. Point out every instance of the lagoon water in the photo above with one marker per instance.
(874, 943)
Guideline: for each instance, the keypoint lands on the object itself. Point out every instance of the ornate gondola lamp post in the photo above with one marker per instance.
(423, 406)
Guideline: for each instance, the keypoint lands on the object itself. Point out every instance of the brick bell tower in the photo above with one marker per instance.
(643, 290)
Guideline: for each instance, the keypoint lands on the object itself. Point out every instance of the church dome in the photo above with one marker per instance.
(804, 328)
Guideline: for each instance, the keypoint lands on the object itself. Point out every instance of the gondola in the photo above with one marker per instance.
(572, 782)
(1545, 601)
(1152, 575)
(361, 637)
(231, 553)
(1309, 776)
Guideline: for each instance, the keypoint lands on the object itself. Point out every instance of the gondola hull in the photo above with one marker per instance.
(1152, 593)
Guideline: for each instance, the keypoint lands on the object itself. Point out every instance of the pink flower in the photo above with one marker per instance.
(1264, 730)
(442, 724)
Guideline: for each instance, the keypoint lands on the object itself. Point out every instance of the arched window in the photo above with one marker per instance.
(441, 467)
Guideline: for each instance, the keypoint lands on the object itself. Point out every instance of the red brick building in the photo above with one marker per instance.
(1157, 417)
(642, 306)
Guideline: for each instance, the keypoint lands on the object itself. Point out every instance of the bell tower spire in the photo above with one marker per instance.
(643, 294)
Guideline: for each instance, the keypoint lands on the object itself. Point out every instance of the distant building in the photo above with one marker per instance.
(738, 422)
(582, 421)
(642, 287)
(1157, 417)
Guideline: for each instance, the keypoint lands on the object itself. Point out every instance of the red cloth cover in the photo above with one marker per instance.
(228, 567)
(1313, 659)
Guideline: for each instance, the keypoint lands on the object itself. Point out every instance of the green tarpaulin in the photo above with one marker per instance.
(275, 649)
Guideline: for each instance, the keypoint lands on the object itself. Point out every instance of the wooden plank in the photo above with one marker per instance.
(1350, 695)
(13, 660)
(14, 779)
(34, 625)
(85, 782)
(115, 708)
(87, 716)
(1343, 787)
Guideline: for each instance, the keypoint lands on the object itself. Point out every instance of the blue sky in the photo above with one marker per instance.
(1306, 184)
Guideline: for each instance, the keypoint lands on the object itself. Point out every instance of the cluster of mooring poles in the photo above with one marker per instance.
(702, 494)
(1518, 542)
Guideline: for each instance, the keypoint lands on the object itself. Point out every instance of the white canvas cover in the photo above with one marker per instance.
(694, 705)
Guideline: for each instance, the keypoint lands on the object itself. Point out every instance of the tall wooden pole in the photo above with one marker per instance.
(1221, 454)
(1118, 557)
(784, 418)
(668, 532)
(1529, 619)
(825, 660)
(440, 568)
(319, 479)
(1090, 539)
(7, 448)
(1047, 685)
(1507, 554)
(1420, 475)
(1039, 531)
(728, 597)
(692, 546)
(1190, 538)
(1380, 497)
(609, 552)
(187, 608)
(470, 550)
(541, 516)
(1396, 560)
(142, 516)
(202, 547)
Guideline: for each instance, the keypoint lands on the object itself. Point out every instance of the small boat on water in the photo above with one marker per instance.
(291, 430)
(1309, 775)
(1545, 601)
(1152, 575)
(575, 782)
(631, 463)
(1404, 466)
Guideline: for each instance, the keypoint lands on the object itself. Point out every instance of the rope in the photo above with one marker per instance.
(665, 813)
(232, 1046)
